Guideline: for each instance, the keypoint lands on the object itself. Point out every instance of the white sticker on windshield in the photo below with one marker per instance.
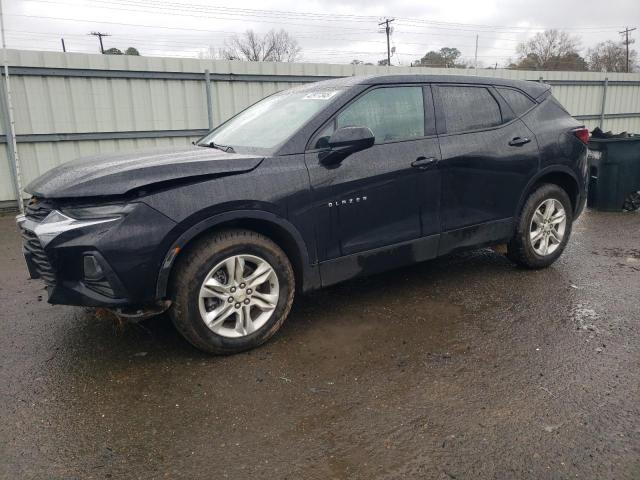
(320, 95)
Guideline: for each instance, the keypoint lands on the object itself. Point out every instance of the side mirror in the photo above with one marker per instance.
(347, 140)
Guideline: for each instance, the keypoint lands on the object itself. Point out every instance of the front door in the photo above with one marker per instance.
(379, 196)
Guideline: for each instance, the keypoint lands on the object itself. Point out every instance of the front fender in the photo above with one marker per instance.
(310, 275)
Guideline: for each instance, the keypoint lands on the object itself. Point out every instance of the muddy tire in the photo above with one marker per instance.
(231, 291)
(543, 228)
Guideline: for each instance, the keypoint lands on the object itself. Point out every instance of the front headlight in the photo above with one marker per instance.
(57, 222)
(99, 211)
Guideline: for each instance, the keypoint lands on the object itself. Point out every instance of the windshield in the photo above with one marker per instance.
(269, 122)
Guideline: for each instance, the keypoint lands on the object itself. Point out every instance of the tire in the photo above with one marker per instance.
(214, 259)
(632, 202)
(526, 248)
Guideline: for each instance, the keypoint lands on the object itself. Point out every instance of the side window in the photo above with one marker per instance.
(518, 101)
(392, 113)
(469, 108)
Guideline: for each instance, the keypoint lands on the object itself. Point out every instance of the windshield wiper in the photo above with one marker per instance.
(224, 148)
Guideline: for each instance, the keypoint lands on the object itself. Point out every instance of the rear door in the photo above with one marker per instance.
(379, 196)
(488, 156)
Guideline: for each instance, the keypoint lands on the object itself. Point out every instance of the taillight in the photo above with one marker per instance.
(582, 134)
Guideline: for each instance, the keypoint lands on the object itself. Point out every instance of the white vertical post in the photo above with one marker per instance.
(12, 146)
(207, 79)
(605, 84)
(476, 56)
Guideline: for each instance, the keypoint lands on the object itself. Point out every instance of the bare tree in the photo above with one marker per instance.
(249, 47)
(275, 46)
(610, 56)
(551, 50)
(284, 48)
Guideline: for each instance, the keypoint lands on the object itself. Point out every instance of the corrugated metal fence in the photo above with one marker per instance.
(70, 105)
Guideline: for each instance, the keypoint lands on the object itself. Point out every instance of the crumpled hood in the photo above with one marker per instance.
(117, 174)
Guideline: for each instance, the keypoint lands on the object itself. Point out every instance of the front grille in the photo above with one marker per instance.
(39, 258)
(37, 209)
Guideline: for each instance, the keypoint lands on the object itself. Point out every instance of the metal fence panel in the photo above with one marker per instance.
(82, 101)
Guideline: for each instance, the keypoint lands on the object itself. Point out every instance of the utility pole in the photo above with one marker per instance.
(626, 41)
(387, 29)
(100, 35)
(476, 56)
(9, 123)
(64, 48)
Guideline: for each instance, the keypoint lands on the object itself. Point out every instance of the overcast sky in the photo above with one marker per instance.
(334, 31)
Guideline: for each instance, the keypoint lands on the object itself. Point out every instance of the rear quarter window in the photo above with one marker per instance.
(518, 101)
(555, 101)
(469, 108)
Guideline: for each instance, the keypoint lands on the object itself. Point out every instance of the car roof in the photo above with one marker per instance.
(534, 89)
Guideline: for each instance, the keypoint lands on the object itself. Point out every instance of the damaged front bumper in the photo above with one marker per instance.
(98, 262)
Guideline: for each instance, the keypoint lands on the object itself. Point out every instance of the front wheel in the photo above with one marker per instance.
(231, 291)
(543, 228)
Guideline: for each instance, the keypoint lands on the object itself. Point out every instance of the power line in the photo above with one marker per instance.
(320, 35)
(476, 27)
(350, 29)
(203, 42)
(280, 14)
(317, 18)
(152, 48)
(319, 52)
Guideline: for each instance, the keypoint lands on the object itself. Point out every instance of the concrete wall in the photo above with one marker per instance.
(68, 105)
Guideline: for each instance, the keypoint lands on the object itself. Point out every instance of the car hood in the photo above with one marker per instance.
(118, 174)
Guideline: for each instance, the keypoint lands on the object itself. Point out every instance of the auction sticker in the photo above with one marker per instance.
(321, 95)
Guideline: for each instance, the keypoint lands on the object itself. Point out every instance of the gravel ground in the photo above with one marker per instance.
(460, 368)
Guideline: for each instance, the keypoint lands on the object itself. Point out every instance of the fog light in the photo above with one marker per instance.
(92, 269)
(95, 277)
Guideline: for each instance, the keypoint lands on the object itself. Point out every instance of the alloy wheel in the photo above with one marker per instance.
(548, 226)
(239, 295)
(632, 202)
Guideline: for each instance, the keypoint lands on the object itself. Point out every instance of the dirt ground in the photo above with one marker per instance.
(461, 368)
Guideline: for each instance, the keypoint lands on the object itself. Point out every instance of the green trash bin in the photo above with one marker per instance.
(614, 169)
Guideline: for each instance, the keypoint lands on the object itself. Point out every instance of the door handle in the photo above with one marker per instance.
(423, 162)
(518, 141)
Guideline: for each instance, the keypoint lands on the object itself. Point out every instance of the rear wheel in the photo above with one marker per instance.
(543, 228)
(632, 202)
(231, 291)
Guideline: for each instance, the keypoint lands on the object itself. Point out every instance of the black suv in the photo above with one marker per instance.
(309, 187)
